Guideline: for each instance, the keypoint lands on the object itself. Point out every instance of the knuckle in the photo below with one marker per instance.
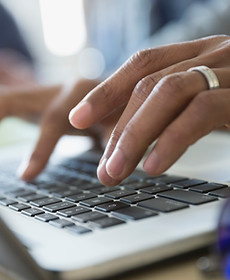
(144, 87)
(172, 85)
(141, 59)
(114, 137)
(107, 90)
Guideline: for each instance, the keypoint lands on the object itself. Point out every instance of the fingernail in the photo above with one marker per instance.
(79, 114)
(116, 163)
(152, 162)
(103, 175)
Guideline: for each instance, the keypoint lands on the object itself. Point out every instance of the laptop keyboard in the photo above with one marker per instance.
(69, 196)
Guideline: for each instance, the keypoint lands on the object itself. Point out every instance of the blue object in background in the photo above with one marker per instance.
(224, 239)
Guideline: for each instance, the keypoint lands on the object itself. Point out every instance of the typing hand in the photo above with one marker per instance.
(164, 102)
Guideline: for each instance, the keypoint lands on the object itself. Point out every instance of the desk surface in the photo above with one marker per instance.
(184, 267)
(174, 269)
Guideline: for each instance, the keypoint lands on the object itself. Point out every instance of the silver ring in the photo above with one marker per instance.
(209, 74)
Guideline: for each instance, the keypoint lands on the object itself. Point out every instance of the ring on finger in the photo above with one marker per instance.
(209, 74)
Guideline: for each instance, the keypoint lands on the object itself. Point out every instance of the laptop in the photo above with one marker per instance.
(66, 225)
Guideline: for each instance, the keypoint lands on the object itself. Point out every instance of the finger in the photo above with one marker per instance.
(141, 91)
(52, 128)
(116, 90)
(54, 124)
(167, 100)
(26, 101)
(209, 110)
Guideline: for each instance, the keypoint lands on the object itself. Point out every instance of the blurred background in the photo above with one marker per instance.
(66, 40)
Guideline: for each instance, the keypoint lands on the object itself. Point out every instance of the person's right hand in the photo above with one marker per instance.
(50, 106)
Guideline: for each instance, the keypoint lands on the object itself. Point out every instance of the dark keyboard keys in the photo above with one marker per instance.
(156, 189)
(188, 183)
(58, 206)
(66, 192)
(32, 212)
(18, 206)
(169, 179)
(204, 188)
(102, 190)
(32, 197)
(105, 222)
(162, 205)
(111, 206)
(73, 211)
(61, 223)
(138, 185)
(46, 217)
(80, 197)
(95, 201)
(7, 202)
(120, 193)
(78, 229)
(133, 199)
(222, 193)
(133, 213)
(44, 201)
(89, 216)
(19, 192)
(187, 197)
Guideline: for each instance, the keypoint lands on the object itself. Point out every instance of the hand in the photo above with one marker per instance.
(50, 105)
(15, 69)
(163, 102)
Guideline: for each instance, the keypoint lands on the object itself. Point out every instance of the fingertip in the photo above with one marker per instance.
(80, 116)
(103, 176)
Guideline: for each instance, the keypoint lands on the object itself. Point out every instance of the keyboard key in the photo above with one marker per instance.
(169, 179)
(18, 206)
(32, 212)
(188, 183)
(95, 201)
(66, 192)
(105, 222)
(162, 204)
(58, 206)
(111, 206)
(120, 193)
(61, 223)
(139, 185)
(132, 199)
(102, 190)
(222, 193)
(78, 229)
(89, 216)
(204, 188)
(32, 197)
(133, 213)
(7, 202)
(73, 211)
(44, 201)
(187, 196)
(19, 192)
(46, 217)
(156, 189)
(80, 197)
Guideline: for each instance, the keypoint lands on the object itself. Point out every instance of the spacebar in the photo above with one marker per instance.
(187, 196)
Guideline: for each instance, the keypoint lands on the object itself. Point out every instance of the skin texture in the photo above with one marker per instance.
(49, 106)
(163, 103)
